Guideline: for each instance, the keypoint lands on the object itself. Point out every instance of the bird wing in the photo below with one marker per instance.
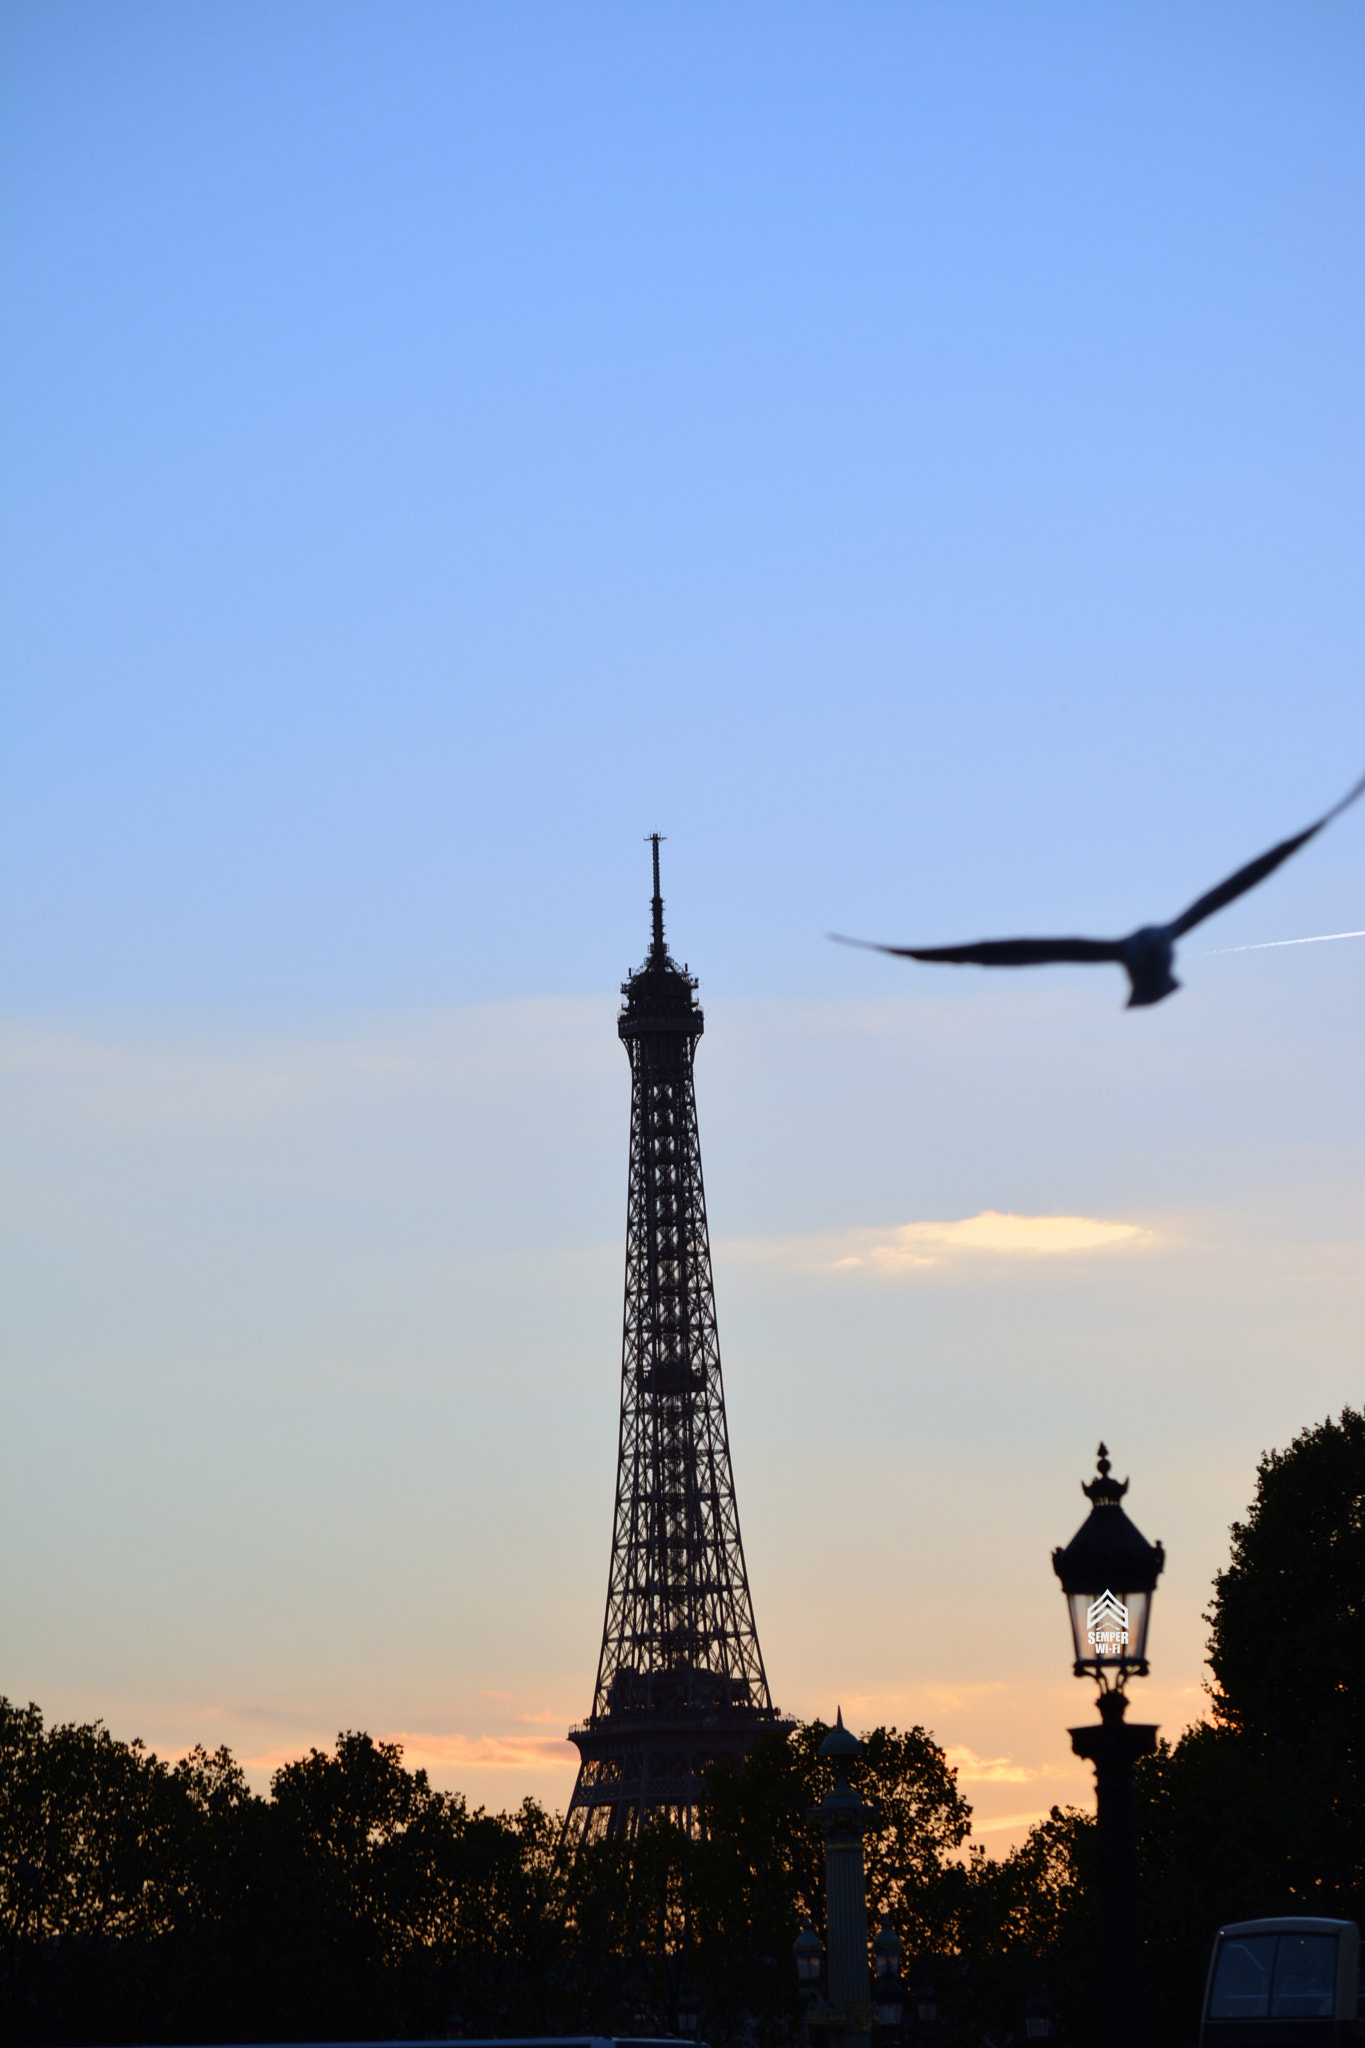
(1255, 870)
(1001, 952)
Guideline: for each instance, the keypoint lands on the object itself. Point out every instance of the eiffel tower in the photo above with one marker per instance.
(680, 1679)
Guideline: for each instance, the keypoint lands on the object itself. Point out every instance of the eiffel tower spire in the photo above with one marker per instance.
(680, 1678)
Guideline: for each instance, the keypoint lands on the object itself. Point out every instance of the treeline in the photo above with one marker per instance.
(146, 1902)
(154, 1903)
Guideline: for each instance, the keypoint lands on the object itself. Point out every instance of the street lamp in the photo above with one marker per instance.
(810, 1957)
(1037, 2017)
(888, 2002)
(886, 1950)
(689, 2012)
(926, 2002)
(888, 1993)
(1109, 1572)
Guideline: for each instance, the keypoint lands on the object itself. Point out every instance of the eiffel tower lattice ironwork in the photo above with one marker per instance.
(680, 1680)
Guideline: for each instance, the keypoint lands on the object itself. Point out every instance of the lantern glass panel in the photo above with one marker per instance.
(886, 1951)
(808, 1955)
(1037, 2018)
(1109, 1628)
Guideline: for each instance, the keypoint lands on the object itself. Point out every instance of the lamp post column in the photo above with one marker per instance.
(843, 1820)
(1114, 1747)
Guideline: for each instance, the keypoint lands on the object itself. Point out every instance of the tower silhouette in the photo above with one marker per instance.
(680, 1679)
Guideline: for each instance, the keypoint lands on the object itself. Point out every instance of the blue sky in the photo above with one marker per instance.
(909, 454)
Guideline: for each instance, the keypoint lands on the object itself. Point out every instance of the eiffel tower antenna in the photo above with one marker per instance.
(680, 1677)
(657, 951)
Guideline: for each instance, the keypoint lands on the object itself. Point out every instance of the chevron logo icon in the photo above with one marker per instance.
(1106, 1622)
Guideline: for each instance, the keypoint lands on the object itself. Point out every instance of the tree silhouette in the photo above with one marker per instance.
(1262, 1809)
(1288, 1617)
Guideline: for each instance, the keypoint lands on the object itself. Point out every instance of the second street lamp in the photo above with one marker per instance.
(1109, 1572)
(888, 1993)
(1037, 2017)
(810, 1956)
(886, 1950)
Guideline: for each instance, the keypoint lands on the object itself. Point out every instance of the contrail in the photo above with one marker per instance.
(1266, 945)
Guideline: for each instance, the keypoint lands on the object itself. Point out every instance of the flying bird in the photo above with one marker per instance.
(1147, 954)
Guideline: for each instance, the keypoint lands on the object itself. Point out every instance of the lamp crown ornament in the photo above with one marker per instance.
(842, 1813)
(1104, 1492)
(840, 1743)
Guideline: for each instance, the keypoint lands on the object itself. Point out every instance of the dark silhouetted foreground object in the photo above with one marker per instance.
(888, 1992)
(1109, 1572)
(1299, 1973)
(1147, 955)
(843, 1818)
(680, 1678)
(1037, 2017)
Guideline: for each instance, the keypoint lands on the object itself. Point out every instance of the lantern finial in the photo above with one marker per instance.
(1102, 1491)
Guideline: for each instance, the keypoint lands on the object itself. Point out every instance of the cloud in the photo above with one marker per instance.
(235, 1712)
(905, 1246)
(423, 1752)
(955, 1695)
(1018, 1823)
(196, 1085)
(993, 1232)
(510, 1752)
(272, 1760)
(989, 1770)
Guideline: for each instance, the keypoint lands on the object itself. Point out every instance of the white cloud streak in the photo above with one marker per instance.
(990, 1770)
(904, 1247)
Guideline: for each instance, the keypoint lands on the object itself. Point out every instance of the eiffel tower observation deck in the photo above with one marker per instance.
(680, 1679)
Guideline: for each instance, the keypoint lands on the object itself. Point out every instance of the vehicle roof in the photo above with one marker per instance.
(524, 2041)
(1288, 1924)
